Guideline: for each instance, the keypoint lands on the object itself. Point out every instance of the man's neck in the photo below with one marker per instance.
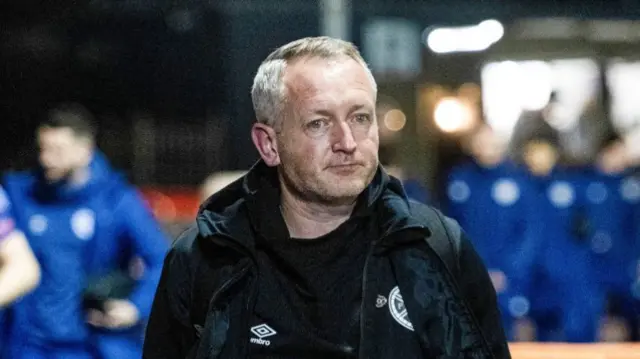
(311, 220)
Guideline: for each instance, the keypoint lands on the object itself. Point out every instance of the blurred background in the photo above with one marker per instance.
(169, 80)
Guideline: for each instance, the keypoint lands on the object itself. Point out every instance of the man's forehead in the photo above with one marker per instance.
(314, 76)
(56, 131)
(315, 70)
(57, 135)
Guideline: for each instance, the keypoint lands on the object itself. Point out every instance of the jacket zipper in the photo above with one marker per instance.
(235, 279)
(225, 286)
(363, 300)
(246, 337)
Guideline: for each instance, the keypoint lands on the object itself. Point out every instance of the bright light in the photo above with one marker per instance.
(465, 39)
(509, 88)
(451, 115)
(395, 120)
(623, 79)
(501, 101)
(537, 76)
(491, 29)
(513, 87)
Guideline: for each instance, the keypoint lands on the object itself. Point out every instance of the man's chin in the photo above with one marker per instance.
(347, 191)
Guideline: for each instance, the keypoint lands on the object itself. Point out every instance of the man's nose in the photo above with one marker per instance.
(343, 138)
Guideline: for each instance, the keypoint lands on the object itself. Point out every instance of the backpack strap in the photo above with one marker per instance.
(442, 240)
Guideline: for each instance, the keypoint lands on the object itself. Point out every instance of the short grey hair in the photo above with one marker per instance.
(268, 92)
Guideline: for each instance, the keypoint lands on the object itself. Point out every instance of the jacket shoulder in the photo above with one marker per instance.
(430, 216)
(181, 261)
(445, 233)
(185, 245)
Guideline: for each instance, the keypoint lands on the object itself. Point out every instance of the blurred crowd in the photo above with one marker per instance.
(558, 230)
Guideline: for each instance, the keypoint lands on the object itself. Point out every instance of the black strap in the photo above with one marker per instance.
(441, 240)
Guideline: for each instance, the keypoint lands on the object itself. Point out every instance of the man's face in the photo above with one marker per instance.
(61, 152)
(487, 148)
(328, 141)
(540, 157)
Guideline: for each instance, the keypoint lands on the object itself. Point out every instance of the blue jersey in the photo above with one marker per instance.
(79, 233)
(612, 210)
(560, 225)
(493, 207)
(567, 302)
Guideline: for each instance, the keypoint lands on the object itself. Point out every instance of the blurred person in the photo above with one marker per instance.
(581, 142)
(85, 224)
(566, 302)
(19, 269)
(413, 187)
(486, 197)
(217, 181)
(316, 252)
(622, 153)
(529, 122)
(612, 205)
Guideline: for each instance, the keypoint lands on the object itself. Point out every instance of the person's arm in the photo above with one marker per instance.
(19, 269)
(478, 291)
(149, 244)
(169, 332)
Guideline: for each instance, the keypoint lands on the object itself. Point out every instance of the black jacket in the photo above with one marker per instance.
(208, 288)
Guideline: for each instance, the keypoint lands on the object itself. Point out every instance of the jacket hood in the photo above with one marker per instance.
(251, 203)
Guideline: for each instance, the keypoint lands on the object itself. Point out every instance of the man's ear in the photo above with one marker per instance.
(264, 138)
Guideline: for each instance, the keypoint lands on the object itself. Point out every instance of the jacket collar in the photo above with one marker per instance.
(251, 203)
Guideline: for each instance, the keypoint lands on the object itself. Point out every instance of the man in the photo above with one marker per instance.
(567, 302)
(316, 252)
(85, 225)
(486, 197)
(19, 269)
(612, 205)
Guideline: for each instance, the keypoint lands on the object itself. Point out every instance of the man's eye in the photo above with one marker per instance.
(362, 118)
(316, 124)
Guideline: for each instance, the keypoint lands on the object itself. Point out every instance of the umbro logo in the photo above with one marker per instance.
(262, 331)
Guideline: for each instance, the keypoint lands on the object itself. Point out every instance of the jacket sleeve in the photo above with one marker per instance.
(478, 291)
(169, 334)
(149, 243)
